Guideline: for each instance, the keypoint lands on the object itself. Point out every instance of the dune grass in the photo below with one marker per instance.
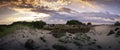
(5, 30)
(8, 29)
(61, 31)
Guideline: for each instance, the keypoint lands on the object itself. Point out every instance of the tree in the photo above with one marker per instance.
(74, 22)
(39, 24)
(117, 23)
(89, 23)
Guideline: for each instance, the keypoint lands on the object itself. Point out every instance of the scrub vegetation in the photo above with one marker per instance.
(8, 29)
(72, 26)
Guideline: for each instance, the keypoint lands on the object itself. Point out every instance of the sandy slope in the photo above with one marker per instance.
(98, 34)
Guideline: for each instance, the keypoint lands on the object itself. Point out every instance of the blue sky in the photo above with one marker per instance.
(54, 12)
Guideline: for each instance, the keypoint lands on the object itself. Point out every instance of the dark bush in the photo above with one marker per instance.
(109, 47)
(89, 23)
(59, 47)
(117, 29)
(117, 34)
(99, 47)
(74, 22)
(117, 23)
(46, 49)
(92, 48)
(29, 44)
(63, 41)
(91, 43)
(38, 24)
(77, 44)
(111, 32)
(58, 35)
(42, 39)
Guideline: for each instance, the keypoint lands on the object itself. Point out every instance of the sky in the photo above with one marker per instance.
(60, 11)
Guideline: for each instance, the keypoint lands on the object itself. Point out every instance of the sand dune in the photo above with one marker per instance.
(35, 39)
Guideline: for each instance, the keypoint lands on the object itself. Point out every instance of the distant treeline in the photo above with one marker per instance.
(35, 24)
(40, 24)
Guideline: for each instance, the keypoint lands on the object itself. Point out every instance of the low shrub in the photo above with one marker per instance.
(59, 47)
